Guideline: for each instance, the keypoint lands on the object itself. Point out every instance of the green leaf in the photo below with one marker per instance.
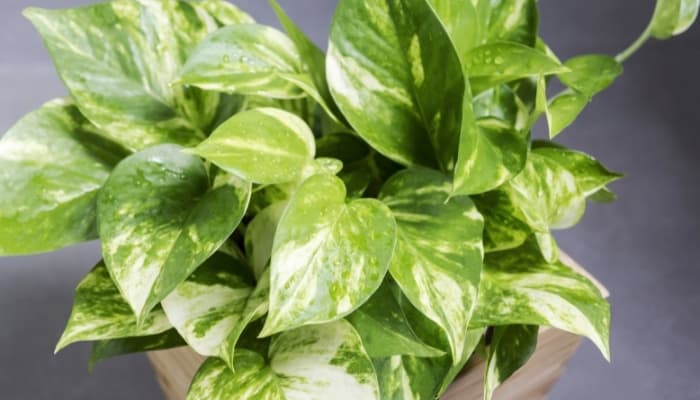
(209, 304)
(437, 261)
(494, 148)
(264, 145)
(118, 60)
(563, 109)
(328, 255)
(315, 362)
(591, 176)
(420, 378)
(104, 349)
(395, 59)
(495, 63)
(511, 346)
(546, 194)
(604, 195)
(244, 59)
(225, 13)
(313, 59)
(259, 235)
(513, 21)
(462, 22)
(49, 177)
(384, 329)
(100, 313)
(159, 219)
(673, 17)
(590, 73)
(504, 226)
(519, 287)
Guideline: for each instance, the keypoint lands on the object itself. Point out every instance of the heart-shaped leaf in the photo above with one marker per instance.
(314, 362)
(408, 74)
(519, 287)
(100, 313)
(384, 329)
(264, 145)
(159, 219)
(244, 59)
(328, 255)
(437, 261)
(119, 59)
(50, 172)
(673, 17)
(511, 346)
(590, 73)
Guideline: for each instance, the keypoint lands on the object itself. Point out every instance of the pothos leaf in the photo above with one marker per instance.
(590, 73)
(384, 329)
(504, 227)
(511, 346)
(462, 22)
(159, 219)
(264, 145)
(519, 287)
(437, 261)
(409, 75)
(513, 21)
(49, 178)
(495, 63)
(104, 349)
(328, 255)
(244, 59)
(209, 304)
(100, 313)
(591, 176)
(563, 109)
(673, 17)
(313, 362)
(119, 59)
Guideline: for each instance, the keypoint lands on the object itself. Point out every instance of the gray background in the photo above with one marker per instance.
(643, 247)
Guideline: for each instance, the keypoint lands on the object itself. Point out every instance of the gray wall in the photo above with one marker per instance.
(644, 247)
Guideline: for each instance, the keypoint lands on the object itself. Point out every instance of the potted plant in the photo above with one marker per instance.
(358, 224)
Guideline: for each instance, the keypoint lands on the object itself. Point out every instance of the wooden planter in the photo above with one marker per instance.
(175, 368)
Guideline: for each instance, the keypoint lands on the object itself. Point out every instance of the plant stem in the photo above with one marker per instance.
(625, 54)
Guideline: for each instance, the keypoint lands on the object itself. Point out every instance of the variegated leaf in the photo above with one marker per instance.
(437, 261)
(311, 363)
(546, 194)
(384, 329)
(590, 73)
(408, 74)
(591, 176)
(420, 378)
(462, 22)
(673, 17)
(51, 166)
(159, 219)
(100, 313)
(328, 255)
(259, 235)
(314, 61)
(511, 346)
(209, 304)
(225, 13)
(495, 63)
(563, 109)
(513, 21)
(244, 59)
(119, 58)
(264, 145)
(504, 226)
(105, 349)
(519, 287)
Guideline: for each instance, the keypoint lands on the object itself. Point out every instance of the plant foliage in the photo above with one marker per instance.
(340, 225)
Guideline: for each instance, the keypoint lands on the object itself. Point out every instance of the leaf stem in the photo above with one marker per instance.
(631, 49)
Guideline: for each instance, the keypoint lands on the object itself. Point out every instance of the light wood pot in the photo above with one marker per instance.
(175, 368)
